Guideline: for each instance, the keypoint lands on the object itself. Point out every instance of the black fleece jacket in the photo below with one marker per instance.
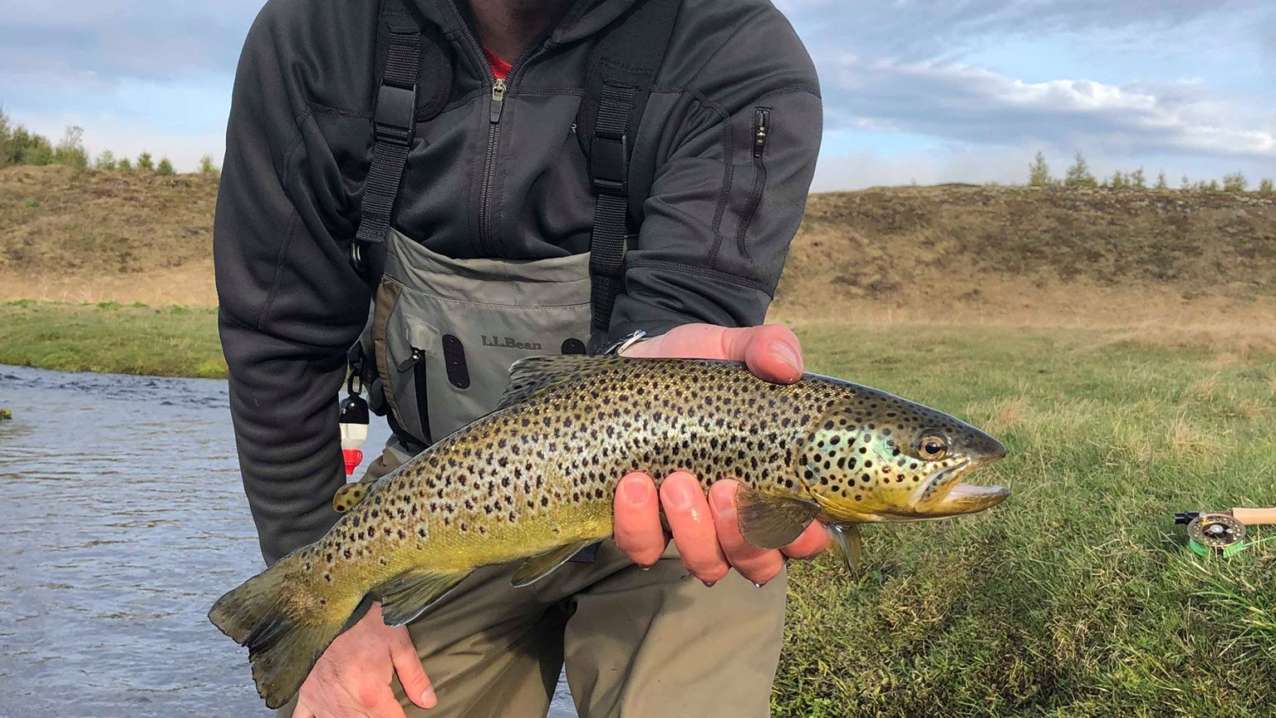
(718, 220)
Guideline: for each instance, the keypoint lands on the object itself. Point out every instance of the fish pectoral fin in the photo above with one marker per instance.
(850, 543)
(771, 521)
(410, 594)
(538, 567)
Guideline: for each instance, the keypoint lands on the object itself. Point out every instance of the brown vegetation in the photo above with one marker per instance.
(1142, 258)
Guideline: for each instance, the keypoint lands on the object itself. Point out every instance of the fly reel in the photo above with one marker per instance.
(1221, 532)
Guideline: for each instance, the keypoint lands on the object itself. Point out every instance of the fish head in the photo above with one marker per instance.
(874, 456)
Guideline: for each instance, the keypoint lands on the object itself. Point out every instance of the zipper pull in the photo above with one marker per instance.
(417, 356)
(761, 125)
(498, 99)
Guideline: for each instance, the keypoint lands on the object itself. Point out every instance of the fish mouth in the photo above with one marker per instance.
(945, 494)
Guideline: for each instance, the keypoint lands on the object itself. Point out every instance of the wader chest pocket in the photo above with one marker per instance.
(451, 328)
(412, 348)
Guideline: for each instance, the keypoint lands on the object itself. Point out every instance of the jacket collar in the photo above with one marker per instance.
(584, 19)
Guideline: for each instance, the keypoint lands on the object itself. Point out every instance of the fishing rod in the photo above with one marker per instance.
(1222, 532)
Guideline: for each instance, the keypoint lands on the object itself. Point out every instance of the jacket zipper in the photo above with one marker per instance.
(761, 132)
(493, 137)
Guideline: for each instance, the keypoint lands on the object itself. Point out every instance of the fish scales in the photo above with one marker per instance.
(539, 474)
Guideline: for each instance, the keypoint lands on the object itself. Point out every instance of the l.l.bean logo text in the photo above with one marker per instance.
(509, 343)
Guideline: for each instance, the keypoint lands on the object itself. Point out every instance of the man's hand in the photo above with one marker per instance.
(705, 530)
(352, 678)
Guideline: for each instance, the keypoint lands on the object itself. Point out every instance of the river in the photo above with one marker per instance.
(122, 519)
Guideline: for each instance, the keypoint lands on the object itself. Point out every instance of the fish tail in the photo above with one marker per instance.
(285, 623)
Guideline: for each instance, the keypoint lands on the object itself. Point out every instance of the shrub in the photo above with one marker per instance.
(206, 166)
(1138, 180)
(1265, 187)
(124, 165)
(1235, 182)
(1160, 181)
(70, 150)
(1079, 174)
(145, 162)
(1118, 181)
(105, 161)
(1039, 172)
(165, 167)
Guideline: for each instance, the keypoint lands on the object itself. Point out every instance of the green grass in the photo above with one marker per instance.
(1076, 597)
(108, 337)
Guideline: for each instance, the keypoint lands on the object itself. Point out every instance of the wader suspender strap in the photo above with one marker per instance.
(622, 69)
(392, 127)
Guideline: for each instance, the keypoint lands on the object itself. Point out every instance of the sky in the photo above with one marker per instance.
(914, 91)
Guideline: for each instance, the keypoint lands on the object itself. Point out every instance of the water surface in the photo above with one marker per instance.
(122, 518)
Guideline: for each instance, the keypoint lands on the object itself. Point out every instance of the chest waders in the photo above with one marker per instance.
(444, 331)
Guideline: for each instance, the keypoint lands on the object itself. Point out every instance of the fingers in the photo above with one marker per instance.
(756, 564)
(812, 541)
(407, 664)
(689, 518)
(772, 352)
(638, 531)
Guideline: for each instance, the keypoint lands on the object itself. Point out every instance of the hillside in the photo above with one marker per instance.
(928, 253)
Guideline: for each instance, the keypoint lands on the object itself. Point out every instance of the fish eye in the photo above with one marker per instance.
(932, 447)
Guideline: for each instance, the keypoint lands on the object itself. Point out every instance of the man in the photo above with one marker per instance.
(730, 132)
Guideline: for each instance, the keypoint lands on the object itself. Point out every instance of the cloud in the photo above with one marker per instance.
(974, 105)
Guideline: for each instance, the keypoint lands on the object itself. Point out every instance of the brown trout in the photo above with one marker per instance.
(534, 480)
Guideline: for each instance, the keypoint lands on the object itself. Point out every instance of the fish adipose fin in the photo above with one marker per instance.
(769, 521)
(850, 544)
(410, 594)
(349, 496)
(531, 375)
(538, 567)
(285, 635)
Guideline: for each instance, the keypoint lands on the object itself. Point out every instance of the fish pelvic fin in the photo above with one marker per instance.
(538, 567)
(411, 593)
(284, 624)
(850, 545)
(770, 520)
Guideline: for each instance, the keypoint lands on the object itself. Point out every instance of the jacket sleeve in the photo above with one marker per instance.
(290, 304)
(723, 208)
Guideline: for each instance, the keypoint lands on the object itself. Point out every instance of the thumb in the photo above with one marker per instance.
(772, 351)
(407, 664)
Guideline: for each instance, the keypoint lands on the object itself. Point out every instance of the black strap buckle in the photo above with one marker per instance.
(609, 163)
(395, 115)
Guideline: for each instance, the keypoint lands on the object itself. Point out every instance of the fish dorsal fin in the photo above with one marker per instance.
(772, 521)
(538, 567)
(533, 374)
(850, 544)
(409, 594)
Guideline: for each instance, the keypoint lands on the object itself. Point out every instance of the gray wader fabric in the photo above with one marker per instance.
(647, 644)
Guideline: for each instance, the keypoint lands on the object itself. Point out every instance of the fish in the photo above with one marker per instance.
(533, 481)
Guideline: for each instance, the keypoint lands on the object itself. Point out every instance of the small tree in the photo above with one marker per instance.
(6, 135)
(105, 161)
(1235, 182)
(145, 162)
(124, 165)
(1039, 172)
(1117, 181)
(1079, 174)
(1211, 186)
(1265, 187)
(70, 150)
(1138, 180)
(1186, 185)
(165, 167)
(29, 148)
(1160, 181)
(206, 166)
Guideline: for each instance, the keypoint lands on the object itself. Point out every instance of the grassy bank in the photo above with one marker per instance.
(1076, 596)
(108, 337)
